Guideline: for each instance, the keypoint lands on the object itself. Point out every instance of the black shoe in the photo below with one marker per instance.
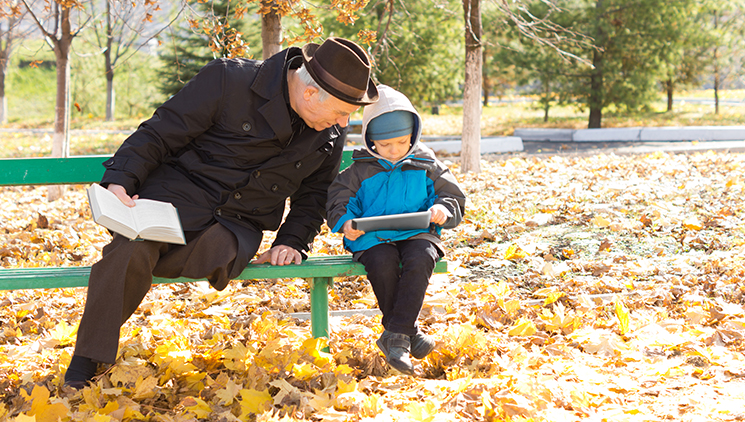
(80, 372)
(422, 345)
(76, 385)
(395, 347)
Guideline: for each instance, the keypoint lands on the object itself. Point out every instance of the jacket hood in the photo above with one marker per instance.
(390, 100)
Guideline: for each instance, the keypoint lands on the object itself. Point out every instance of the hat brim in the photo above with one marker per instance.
(369, 97)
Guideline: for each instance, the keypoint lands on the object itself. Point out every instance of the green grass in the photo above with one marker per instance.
(497, 120)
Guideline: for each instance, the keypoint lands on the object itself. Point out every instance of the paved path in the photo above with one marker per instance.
(590, 148)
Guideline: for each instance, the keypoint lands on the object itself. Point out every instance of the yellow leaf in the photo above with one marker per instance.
(501, 290)
(344, 369)
(523, 327)
(343, 387)
(511, 306)
(304, 371)
(600, 221)
(146, 389)
(514, 252)
(254, 401)
(422, 412)
(553, 297)
(693, 224)
(64, 333)
(372, 406)
(622, 313)
(41, 408)
(102, 418)
(229, 393)
(197, 407)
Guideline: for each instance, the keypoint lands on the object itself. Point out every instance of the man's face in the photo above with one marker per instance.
(393, 149)
(322, 115)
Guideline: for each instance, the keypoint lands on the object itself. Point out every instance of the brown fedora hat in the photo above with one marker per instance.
(341, 68)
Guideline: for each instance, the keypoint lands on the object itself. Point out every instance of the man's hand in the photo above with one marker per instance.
(280, 255)
(121, 193)
(440, 214)
(349, 232)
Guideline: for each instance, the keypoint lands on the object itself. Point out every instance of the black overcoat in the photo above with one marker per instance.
(222, 151)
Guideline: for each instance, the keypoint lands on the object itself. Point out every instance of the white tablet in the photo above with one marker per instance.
(408, 221)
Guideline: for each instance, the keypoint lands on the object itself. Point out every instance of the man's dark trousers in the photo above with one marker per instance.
(121, 279)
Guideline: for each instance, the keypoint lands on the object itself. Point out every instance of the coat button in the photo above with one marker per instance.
(218, 212)
(298, 165)
(246, 126)
(274, 188)
(257, 174)
(238, 216)
(255, 211)
(237, 195)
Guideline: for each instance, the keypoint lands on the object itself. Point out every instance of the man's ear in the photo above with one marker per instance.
(308, 92)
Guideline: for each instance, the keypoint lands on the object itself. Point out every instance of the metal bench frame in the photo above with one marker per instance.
(320, 271)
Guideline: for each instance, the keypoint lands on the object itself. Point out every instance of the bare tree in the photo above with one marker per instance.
(119, 32)
(54, 19)
(9, 33)
(271, 29)
(471, 137)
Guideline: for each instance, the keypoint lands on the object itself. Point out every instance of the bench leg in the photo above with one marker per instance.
(319, 306)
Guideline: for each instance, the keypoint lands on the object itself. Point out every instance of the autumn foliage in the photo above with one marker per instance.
(597, 287)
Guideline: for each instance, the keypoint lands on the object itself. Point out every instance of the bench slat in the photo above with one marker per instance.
(313, 267)
(51, 171)
(68, 171)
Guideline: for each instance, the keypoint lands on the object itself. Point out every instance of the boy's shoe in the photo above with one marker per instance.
(421, 345)
(395, 347)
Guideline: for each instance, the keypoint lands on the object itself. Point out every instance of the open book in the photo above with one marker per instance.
(408, 221)
(148, 219)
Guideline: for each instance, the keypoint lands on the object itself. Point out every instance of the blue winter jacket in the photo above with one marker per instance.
(373, 186)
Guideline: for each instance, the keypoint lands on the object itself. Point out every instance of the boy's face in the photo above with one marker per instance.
(393, 149)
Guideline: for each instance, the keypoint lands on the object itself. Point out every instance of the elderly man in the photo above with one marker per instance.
(239, 139)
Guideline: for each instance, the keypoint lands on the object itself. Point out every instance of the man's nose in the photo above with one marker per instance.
(343, 121)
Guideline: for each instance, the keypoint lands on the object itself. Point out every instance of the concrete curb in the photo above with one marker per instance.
(635, 134)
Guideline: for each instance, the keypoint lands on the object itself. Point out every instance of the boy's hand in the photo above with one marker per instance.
(440, 214)
(349, 232)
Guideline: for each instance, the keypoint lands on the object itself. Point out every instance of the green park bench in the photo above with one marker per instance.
(320, 271)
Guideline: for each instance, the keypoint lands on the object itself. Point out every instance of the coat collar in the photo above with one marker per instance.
(268, 84)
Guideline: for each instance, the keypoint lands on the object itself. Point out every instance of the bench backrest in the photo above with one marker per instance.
(68, 171)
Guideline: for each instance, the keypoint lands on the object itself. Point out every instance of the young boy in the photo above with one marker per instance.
(396, 174)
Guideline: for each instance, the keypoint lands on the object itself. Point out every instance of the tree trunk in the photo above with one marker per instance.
(669, 89)
(717, 80)
(596, 92)
(471, 140)
(61, 138)
(485, 81)
(595, 101)
(546, 97)
(271, 31)
(109, 68)
(5, 49)
(3, 98)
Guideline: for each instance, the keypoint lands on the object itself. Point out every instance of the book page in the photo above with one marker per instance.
(151, 213)
(110, 212)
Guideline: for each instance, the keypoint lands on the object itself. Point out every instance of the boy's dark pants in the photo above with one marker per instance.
(122, 278)
(400, 289)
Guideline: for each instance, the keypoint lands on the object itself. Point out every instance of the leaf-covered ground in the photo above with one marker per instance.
(603, 288)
